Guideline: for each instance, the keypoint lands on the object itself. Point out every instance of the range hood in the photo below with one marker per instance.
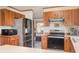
(56, 20)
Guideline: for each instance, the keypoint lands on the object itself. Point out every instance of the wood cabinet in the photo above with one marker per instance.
(0, 19)
(10, 40)
(14, 41)
(47, 15)
(7, 17)
(44, 42)
(71, 17)
(17, 15)
(0, 40)
(68, 46)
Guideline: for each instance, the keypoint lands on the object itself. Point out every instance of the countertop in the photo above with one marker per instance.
(8, 35)
(19, 49)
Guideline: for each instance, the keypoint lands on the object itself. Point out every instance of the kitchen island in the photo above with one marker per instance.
(20, 49)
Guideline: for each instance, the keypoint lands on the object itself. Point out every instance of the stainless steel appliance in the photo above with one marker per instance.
(27, 30)
(8, 32)
(56, 20)
(56, 40)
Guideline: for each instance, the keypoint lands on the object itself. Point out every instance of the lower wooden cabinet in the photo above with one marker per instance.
(14, 41)
(1, 40)
(68, 46)
(10, 40)
(44, 42)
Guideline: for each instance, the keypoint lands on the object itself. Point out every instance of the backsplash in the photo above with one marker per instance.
(7, 27)
(47, 29)
(74, 31)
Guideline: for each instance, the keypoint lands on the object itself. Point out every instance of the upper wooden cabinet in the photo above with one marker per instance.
(17, 15)
(71, 17)
(7, 17)
(48, 15)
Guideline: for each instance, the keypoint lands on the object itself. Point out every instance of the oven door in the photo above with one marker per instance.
(56, 43)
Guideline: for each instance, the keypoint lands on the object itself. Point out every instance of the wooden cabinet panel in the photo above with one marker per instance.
(68, 46)
(71, 17)
(1, 40)
(7, 17)
(44, 42)
(52, 14)
(0, 19)
(17, 15)
(47, 16)
(14, 40)
(6, 40)
(67, 17)
(76, 14)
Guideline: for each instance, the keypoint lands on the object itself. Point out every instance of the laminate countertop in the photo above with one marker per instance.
(8, 35)
(19, 49)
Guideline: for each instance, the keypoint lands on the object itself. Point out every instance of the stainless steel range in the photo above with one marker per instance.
(56, 40)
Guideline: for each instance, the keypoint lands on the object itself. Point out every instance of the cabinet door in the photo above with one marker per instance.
(47, 16)
(68, 46)
(77, 17)
(9, 20)
(67, 17)
(44, 42)
(52, 14)
(6, 40)
(71, 17)
(74, 17)
(14, 41)
(0, 40)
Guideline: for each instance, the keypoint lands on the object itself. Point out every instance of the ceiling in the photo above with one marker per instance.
(37, 10)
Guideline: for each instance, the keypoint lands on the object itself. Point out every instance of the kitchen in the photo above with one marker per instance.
(57, 30)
